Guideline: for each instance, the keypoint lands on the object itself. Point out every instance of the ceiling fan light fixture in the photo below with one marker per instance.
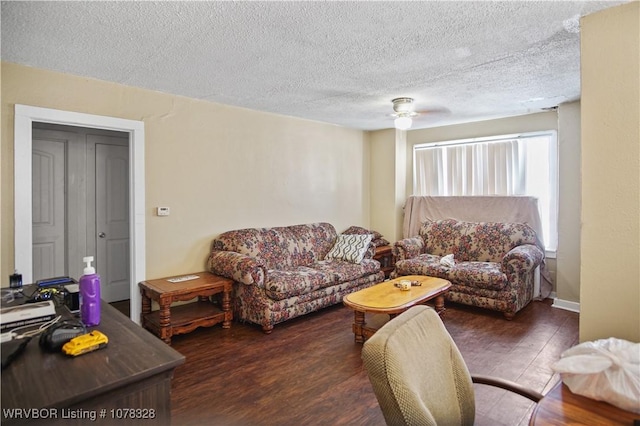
(403, 123)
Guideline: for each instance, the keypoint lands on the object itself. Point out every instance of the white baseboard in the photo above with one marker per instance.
(567, 305)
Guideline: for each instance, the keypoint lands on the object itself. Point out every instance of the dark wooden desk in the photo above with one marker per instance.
(128, 380)
(562, 407)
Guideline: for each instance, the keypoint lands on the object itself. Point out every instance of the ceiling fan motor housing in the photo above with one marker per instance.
(403, 105)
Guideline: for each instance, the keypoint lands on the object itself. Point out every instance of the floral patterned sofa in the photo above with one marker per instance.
(284, 272)
(493, 263)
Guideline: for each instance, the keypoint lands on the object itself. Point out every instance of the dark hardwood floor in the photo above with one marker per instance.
(309, 371)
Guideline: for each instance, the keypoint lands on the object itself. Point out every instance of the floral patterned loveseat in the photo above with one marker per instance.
(493, 263)
(284, 272)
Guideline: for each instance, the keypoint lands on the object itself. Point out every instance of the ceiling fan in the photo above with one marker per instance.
(404, 112)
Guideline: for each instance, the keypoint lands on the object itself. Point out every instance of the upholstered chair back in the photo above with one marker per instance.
(417, 372)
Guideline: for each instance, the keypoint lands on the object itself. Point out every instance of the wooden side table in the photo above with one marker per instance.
(168, 321)
(560, 406)
(386, 258)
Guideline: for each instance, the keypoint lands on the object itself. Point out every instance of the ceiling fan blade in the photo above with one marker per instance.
(406, 114)
(404, 107)
(432, 111)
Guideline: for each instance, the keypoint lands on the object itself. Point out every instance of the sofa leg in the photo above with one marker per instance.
(267, 329)
(509, 315)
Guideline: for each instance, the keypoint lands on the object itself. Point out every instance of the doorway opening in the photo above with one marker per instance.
(80, 188)
(25, 116)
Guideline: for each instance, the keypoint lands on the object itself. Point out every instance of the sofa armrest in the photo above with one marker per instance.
(237, 266)
(371, 252)
(408, 248)
(521, 260)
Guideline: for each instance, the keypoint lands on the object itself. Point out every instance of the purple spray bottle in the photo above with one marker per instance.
(89, 294)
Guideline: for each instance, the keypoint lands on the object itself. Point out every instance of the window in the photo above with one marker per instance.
(523, 164)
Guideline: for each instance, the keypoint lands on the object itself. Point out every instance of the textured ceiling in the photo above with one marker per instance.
(333, 62)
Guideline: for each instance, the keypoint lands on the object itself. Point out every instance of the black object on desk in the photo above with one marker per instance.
(12, 350)
(47, 282)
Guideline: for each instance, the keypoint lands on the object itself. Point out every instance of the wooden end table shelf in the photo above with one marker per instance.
(168, 321)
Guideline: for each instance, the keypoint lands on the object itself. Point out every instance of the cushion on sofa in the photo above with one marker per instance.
(443, 237)
(378, 239)
(423, 264)
(347, 271)
(486, 275)
(309, 243)
(489, 241)
(475, 241)
(351, 248)
(359, 230)
(284, 283)
(280, 247)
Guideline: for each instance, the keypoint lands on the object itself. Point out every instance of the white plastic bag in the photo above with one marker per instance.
(606, 370)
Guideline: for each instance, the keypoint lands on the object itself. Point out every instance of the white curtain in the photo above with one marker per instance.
(524, 166)
(497, 168)
(429, 169)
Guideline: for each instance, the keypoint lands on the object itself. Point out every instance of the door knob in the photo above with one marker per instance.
(102, 235)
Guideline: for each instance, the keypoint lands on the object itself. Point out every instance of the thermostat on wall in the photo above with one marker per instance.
(162, 211)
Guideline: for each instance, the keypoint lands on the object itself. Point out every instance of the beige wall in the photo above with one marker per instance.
(385, 214)
(568, 254)
(610, 248)
(217, 167)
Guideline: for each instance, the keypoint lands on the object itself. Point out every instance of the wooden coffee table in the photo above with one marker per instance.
(386, 298)
(168, 321)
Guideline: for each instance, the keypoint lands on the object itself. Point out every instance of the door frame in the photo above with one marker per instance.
(25, 115)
